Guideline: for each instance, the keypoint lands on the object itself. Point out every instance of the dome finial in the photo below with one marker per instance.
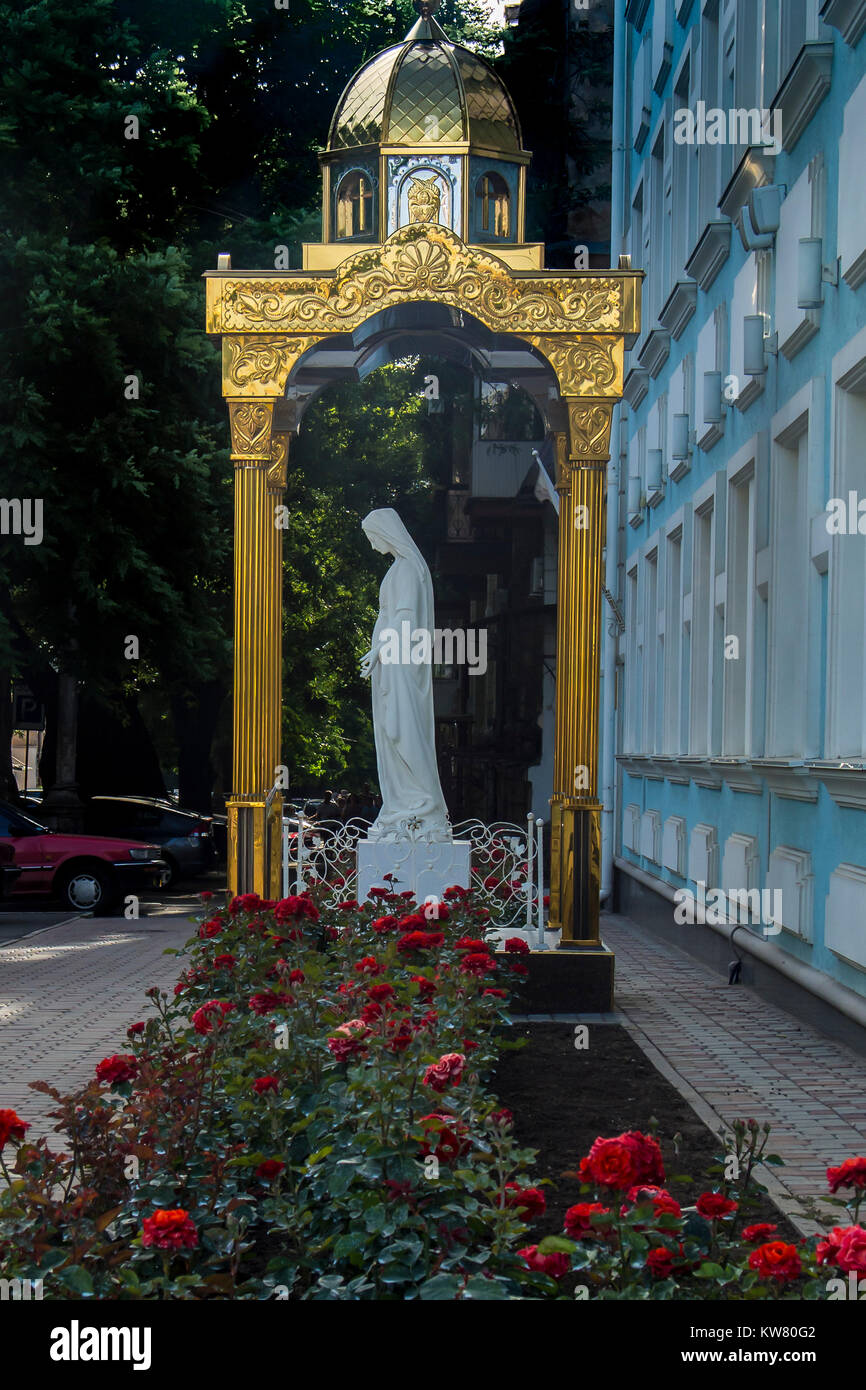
(426, 8)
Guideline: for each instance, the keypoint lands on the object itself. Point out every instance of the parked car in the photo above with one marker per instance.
(9, 870)
(86, 872)
(185, 838)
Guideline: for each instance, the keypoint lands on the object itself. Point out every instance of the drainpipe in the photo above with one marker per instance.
(609, 632)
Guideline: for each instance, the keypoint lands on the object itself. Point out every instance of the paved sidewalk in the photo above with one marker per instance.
(68, 995)
(734, 1056)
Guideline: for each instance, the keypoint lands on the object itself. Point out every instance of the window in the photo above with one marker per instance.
(702, 627)
(788, 686)
(634, 665)
(673, 642)
(708, 155)
(846, 737)
(683, 175)
(493, 199)
(651, 653)
(354, 206)
(740, 616)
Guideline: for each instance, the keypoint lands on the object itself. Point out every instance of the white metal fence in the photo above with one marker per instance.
(507, 865)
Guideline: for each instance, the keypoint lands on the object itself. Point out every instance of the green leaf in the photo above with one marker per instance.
(440, 1288)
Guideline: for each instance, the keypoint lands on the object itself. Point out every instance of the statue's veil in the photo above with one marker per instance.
(387, 526)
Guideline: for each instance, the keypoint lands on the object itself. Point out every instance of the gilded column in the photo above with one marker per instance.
(253, 743)
(576, 829)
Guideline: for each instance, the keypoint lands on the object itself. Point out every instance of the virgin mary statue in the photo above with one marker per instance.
(413, 806)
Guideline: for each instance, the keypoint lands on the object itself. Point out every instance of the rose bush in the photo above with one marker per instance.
(308, 1115)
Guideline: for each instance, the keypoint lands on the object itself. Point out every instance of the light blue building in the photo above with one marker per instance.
(735, 699)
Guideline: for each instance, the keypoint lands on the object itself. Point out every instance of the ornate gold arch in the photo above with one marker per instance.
(578, 321)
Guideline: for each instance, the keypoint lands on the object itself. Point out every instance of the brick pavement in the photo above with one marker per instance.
(735, 1056)
(67, 996)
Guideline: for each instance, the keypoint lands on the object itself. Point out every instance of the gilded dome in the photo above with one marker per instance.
(426, 91)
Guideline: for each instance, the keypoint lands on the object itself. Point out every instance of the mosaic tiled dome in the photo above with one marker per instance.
(426, 91)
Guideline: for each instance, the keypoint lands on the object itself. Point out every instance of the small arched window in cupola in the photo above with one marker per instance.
(354, 206)
(493, 199)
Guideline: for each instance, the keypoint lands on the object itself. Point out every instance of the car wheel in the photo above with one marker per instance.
(172, 874)
(86, 888)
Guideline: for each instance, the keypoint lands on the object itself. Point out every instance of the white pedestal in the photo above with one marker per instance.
(428, 869)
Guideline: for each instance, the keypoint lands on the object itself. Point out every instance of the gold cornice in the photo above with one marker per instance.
(427, 264)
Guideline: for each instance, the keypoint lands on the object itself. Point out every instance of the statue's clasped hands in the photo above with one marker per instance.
(368, 661)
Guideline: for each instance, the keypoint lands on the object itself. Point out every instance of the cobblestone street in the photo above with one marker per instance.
(67, 996)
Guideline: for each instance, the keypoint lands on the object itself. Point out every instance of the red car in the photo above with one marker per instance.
(88, 873)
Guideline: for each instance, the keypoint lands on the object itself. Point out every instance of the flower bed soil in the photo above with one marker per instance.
(563, 1098)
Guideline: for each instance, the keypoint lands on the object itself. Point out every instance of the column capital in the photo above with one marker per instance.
(252, 425)
(589, 423)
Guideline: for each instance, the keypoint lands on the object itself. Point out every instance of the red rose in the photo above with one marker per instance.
(851, 1173)
(247, 902)
(517, 945)
(350, 905)
(399, 1033)
(714, 1205)
(469, 943)
(211, 1015)
(266, 1083)
(117, 1069)
(413, 922)
(648, 1156)
(663, 1202)
(545, 901)
(754, 1235)
(491, 881)
(296, 977)
(206, 895)
(436, 912)
(455, 891)
(225, 962)
(294, 906)
(378, 893)
(578, 1223)
(852, 1250)
(381, 991)
(134, 1029)
(477, 963)
(420, 941)
(369, 966)
(828, 1248)
(169, 1230)
(495, 993)
(776, 1260)
(530, 1201)
(446, 1136)
(660, 1262)
(270, 1168)
(344, 1048)
(383, 924)
(425, 986)
(501, 1119)
(11, 1127)
(556, 1265)
(610, 1163)
(449, 1068)
(408, 895)
(210, 929)
(269, 1000)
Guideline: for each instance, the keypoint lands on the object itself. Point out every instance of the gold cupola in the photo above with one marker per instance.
(426, 131)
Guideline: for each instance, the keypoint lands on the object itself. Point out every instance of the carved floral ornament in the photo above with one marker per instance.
(251, 429)
(260, 366)
(589, 427)
(419, 262)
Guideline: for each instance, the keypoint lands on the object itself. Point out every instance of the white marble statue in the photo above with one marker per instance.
(413, 807)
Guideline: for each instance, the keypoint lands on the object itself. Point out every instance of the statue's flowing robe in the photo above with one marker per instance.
(403, 720)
